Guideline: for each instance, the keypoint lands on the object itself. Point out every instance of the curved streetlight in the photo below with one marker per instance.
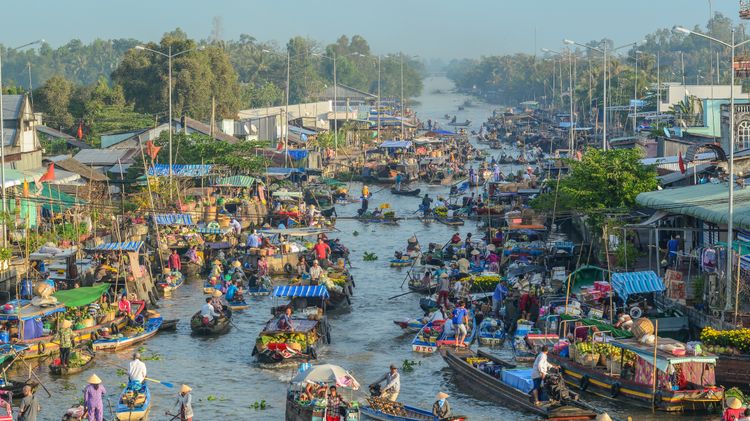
(169, 57)
(2, 128)
(730, 219)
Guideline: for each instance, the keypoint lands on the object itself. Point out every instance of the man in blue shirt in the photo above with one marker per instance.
(498, 296)
(231, 291)
(460, 321)
(253, 240)
(673, 247)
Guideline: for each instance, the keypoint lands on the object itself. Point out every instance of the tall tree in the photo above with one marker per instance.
(53, 99)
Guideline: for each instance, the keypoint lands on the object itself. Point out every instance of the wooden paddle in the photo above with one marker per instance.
(401, 295)
(17, 356)
(163, 383)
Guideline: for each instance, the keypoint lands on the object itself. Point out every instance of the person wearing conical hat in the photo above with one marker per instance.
(64, 338)
(93, 399)
(734, 409)
(185, 403)
(441, 409)
(216, 301)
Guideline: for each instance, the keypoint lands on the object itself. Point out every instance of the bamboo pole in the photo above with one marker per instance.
(609, 271)
(737, 287)
(654, 376)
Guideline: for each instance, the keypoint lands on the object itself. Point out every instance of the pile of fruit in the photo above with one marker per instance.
(485, 283)
(731, 342)
(288, 338)
(441, 211)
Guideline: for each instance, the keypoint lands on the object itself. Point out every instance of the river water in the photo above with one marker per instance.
(225, 380)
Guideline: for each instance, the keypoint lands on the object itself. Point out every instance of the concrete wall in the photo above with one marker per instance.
(676, 93)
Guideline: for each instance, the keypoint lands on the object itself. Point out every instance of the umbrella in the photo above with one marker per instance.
(328, 374)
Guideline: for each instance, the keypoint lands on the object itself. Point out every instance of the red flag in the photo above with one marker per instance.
(152, 150)
(50, 174)
(681, 163)
(279, 146)
(79, 134)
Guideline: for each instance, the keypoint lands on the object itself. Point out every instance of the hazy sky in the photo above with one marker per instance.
(428, 28)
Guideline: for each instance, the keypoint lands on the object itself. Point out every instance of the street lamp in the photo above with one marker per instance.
(2, 127)
(571, 136)
(365, 56)
(169, 57)
(635, 94)
(602, 50)
(730, 219)
(286, 106)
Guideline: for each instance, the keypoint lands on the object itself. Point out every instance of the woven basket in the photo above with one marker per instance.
(642, 327)
(589, 360)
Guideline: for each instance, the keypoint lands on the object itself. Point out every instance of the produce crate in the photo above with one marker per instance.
(614, 367)
(589, 360)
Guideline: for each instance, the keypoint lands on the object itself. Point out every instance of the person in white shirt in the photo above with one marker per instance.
(539, 372)
(236, 226)
(137, 371)
(437, 315)
(207, 311)
(392, 384)
(315, 273)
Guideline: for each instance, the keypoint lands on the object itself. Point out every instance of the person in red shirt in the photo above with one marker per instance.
(174, 261)
(322, 250)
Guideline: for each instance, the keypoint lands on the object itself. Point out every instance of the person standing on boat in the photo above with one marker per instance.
(498, 296)
(29, 408)
(262, 267)
(426, 202)
(174, 261)
(399, 179)
(253, 240)
(185, 403)
(236, 226)
(136, 372)
(392, 384)
(673, 246)
(539, 372)
(334, 404)
(65, 339)
(460, 321)
(93, 401)
(315, 272)
(441, 409)
(444, 287)
(322, 250)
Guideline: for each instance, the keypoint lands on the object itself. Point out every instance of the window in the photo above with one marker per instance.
(743, 135)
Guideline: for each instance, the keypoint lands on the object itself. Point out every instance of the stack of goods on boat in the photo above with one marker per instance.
(309, 393)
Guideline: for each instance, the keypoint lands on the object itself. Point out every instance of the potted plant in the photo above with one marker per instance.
(5, 255)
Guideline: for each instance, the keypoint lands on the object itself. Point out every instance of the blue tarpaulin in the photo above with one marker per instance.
(301, 291)
(405, 144)
(162, 170)
(297, 154)
(628, 283)
(123, 246)
(174, 219)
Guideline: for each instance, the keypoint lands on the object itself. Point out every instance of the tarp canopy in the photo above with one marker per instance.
(174, 219)
(585, 276)
(28, 311)
(332, 182)
(297, 154)
(628, 283)
(236, 181)
(301, 291)
(601, 325)
(82, 296)
(122, 246)
(328, 374)
(52, 199)
(214, 231)
(180, 170)
(403, 144)
(663, 359)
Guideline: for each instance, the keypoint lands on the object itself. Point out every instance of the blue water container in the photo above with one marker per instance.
(27, 288)
(4, 336)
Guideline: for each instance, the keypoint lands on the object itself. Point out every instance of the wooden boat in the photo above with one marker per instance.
(168, 325)
(402, 192)
(150, 328)
(168, 286)
(134, 405)
(191, 269)
(328, 212)
(448, 337)
(426, 339)
(457, 124)
(86, 358)
(500, 381)
(416, 285)
(634, 388)
(299, 411)
(410, 325)
(16, 386)
(238, 305)
(379, 409)
(221, 325)
(275, 346)
(400, 263)
(451, 222)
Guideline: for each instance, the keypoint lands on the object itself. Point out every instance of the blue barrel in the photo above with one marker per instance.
(27, 288)
(4, 336)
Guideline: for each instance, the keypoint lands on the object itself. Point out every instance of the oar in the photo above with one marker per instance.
(399, 295)
(31, 371)
(161, 382)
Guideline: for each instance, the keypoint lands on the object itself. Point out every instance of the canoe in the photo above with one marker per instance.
(59, 370)
(134, 406)
(16, 386)
(168, 325)
(425, 340)
(400, 263)
(499, 381)
(410, 325)
(238, 305)
(451, 222)
(414, 192)
(378, 409)
(221, 326)
(167, 287)
(275, 347)
(150, 328)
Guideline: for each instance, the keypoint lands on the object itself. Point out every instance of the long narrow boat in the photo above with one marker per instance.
(451, 222)
(168, 286)
(426, 339)
(123, 340)
(134, 406)
(636, 386)
(500, 381)
(448, 337)
(168, 325)
(414, 192)
(236, 305)
(221, 326)
(395, 411)
(400, 263)
(83, 361)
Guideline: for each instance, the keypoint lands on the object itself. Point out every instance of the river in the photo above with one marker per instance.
(226, 382)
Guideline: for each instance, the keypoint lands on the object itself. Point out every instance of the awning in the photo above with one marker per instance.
(28, 311)
(627, 283)
(650, 222)
(213, 231)
(174, 219)
(404, 144)
(236, 181)
(123, 246)
(301, 291)
(663, 359)
(78, 297)
(282, 193)
(191, 170)
(52, 199)
(676, 176)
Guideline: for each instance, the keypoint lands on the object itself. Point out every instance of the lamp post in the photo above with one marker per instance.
(286, 104)
(2, 127)
(635, 95)
(571, 136)
(604, 51)
(332, 57)
(169, 57)
(730, 218)
(365, 56)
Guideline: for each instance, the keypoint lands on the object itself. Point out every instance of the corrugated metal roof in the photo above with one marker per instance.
(708, 202)
(9, 133)
(12, 106)
(180, 170)
(628, 283)
(123, 246)
(301, 291)
(102, 157)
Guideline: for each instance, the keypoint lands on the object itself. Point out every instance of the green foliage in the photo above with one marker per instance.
(369, 257)
(601, 181)
(53, 99)
(197, 148)
(626, 255)
(408, 366)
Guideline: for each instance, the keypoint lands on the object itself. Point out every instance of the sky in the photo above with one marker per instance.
(428, 28)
